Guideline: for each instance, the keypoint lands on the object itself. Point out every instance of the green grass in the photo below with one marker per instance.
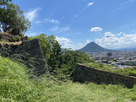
(101, 66)
(15, 86)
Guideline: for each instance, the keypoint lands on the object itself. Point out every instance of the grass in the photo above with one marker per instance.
(15, 86)
(101, 66)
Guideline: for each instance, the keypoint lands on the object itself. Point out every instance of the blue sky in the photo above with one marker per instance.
(74, 23)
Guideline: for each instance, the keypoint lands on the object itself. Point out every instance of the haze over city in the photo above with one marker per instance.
(74, 23)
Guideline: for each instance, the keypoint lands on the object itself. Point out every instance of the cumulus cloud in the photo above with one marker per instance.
(96, 29)
(52, 21)
(91, 3)
(31, 15)
(119, 34)
(113, 41)
(109, 34)
(64, 42)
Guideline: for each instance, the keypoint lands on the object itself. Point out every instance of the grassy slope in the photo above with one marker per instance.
(15, 86)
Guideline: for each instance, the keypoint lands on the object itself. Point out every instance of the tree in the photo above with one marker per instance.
(55, 53)
(45, 45)
(50, 47)
(11, 16)
(61, 63)
(4, 2)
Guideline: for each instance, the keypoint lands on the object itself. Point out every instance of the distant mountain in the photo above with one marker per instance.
(93, 47)
(126, 49)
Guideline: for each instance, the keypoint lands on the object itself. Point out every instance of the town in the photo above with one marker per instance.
(119, 59)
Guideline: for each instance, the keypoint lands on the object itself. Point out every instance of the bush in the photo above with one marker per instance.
(132, 73)
(101, 65)
(16, 38)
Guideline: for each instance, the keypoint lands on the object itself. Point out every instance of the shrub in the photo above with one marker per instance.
(16, 38)
(132, 73)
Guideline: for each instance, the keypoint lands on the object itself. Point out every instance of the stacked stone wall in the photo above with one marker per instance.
(87, 74)
(30, 52)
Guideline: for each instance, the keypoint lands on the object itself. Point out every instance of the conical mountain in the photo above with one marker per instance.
(93, 47)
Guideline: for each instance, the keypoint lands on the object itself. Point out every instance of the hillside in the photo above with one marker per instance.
(93, 47)
(15, 86)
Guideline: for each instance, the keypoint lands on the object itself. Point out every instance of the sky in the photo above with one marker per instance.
(75, 23)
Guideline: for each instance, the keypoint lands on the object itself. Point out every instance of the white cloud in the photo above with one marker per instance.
(119, 34)
(91, 3)
(30, 34)
(64, 42)
(87, 41)
(96, 29)
(80, 45)
(113, 41)
(52, 21)
(83, 9)
(59, 30)
(109, 34)
(31, 15)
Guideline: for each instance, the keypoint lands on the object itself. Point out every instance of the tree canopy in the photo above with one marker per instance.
(61, 63)
(4, 2)
(11, 16)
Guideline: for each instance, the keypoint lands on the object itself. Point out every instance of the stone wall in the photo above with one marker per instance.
(29, 52)
(12, 38)
(87, 74)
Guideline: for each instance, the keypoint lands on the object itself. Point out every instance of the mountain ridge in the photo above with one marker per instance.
(93, 47)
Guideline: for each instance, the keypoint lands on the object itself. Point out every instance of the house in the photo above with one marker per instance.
(105, 61)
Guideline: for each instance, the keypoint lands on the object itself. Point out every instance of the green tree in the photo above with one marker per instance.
(55, 53)
(4, 2)
(50, 47)
(61, 63)
(71, 58)
(11, 16)
(45, 45)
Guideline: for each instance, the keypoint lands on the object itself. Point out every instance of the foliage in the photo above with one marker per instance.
(4, 2)
(61, 63)
(125, 71)
(16, 38)
(15, 86)
(129, 64)
(70, 60)
(132, 73)
(46, 44)
(11, 16)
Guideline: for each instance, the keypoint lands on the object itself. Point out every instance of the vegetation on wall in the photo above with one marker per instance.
(126, 71)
